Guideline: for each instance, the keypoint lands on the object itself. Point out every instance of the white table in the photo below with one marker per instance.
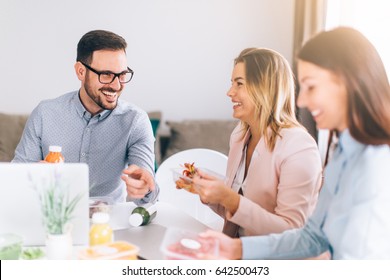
(149, 237)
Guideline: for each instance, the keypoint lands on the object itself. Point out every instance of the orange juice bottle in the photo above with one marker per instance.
(100, 232)
(54, 155)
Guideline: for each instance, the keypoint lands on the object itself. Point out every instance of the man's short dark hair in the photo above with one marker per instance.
(98, 40)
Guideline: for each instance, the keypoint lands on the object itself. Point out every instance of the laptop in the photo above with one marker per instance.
(20, 207)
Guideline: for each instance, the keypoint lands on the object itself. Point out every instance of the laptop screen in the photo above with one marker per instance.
(20, 206)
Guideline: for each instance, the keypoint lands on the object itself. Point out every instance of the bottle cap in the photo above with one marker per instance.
(56, 149)
(136, 219)
(100, 218)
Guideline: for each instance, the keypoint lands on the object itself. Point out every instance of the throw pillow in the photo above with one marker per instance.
(11, 129)
(209, 134)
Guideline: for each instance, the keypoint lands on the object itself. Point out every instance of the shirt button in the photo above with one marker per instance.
(83, 154)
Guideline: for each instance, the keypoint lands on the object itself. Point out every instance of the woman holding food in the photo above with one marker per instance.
(274, 169)
(344, 84)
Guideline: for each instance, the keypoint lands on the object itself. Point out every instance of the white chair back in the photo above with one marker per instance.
(188, 202)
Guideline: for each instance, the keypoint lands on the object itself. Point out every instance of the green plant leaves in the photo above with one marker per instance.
(57, 208)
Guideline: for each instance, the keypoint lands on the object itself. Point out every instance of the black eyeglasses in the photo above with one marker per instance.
(107, 77)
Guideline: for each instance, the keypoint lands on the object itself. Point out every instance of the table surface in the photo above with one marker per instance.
(148, 238)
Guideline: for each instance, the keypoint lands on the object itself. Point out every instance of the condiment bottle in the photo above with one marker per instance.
(100, 232)
(142, 215)
(54, 155)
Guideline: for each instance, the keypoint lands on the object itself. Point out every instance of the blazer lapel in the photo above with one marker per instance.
(235, 154)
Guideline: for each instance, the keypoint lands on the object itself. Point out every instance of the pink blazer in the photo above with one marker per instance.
(281, 186)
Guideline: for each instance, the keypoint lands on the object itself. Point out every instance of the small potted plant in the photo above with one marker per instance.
(57, 212)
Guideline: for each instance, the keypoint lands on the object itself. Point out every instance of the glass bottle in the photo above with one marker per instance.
(142, 215)
(54, 155)
(100, 232)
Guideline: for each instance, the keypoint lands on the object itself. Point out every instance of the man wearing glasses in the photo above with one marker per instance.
(93, 126)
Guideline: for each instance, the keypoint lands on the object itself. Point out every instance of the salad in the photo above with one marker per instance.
(184, 181)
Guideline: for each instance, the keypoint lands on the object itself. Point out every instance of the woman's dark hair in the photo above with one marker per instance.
(98, 40)
(351, 56)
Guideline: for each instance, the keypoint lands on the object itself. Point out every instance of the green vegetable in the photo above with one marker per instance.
(32, 253)
(10, 252)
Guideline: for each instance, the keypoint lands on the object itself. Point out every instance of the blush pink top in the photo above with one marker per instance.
(281, 187)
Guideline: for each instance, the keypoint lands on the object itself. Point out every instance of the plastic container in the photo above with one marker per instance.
(185, 182)
(55, 155)
(119, 250)
(10, 246)
(182, 181)
(142, 215)
(100, 232)
(100, 204)
(185, 245)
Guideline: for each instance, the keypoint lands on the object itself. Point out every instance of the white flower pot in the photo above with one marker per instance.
(59, 246)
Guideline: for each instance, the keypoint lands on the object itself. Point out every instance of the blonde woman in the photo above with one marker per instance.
(274, 167)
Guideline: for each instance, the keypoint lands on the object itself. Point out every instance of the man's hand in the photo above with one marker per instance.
(138, 181)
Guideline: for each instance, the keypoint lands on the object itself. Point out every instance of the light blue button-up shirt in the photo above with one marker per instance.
(352, 217)
(108, 142)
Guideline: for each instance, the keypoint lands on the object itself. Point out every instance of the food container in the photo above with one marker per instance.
(186, 245)
(182, 181)
(100, 204)
(119, 250)
(10, 246)
(185, 182)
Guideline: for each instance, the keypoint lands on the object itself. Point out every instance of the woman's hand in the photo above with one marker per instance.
(229, 248)
(213, 190)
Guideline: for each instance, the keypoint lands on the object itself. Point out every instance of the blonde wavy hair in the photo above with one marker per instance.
(270, 85)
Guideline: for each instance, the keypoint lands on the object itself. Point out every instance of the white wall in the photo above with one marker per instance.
(181, 50)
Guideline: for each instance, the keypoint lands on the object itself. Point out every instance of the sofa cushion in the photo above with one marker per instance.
(11, 129)
(189, 134)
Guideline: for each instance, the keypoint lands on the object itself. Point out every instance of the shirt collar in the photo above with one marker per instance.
(348, 144)
(82, 111)
(79, 106)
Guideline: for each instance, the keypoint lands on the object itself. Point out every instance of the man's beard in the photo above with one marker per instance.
(97, 98)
